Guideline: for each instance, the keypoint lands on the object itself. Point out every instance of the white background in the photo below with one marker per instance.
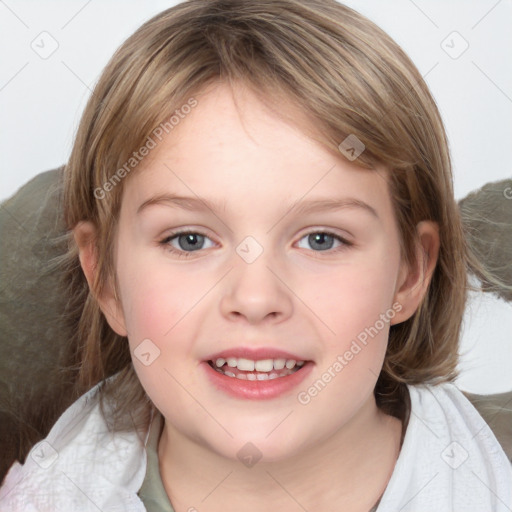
(41, 101)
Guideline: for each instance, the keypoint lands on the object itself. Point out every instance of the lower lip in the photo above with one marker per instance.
(257, 389)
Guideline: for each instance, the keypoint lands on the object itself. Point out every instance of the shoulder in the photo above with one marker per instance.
(496, 410)
(447, 405)
(80, 465)
(444, 410)
(450, 458)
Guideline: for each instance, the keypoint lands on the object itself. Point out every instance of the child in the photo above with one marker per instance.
(254, 368)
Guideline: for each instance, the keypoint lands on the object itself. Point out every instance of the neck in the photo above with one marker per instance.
(349, 471)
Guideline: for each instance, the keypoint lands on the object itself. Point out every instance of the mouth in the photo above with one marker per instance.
(252, 370)
(262, 373)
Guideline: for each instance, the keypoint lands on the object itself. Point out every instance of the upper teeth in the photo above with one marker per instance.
(263, 365)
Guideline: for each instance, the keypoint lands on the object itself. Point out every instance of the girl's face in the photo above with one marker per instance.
(292, 254)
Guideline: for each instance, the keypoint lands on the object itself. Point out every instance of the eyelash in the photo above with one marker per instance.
(186, 254)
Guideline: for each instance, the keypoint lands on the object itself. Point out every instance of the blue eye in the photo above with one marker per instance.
(188, 242)
(191, 241)
(324, 240)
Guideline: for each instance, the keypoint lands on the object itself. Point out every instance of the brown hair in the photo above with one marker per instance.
(333, 64)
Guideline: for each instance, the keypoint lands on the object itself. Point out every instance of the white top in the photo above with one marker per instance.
(450, 461)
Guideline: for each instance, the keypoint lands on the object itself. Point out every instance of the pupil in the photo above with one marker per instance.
(189, 239)
(319, 238)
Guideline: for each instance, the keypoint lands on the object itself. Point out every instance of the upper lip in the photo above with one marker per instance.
(255, 354)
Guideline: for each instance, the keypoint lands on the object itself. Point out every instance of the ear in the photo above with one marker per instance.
(85, 238)
(413, 282)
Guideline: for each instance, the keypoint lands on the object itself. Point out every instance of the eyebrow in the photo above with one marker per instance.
(196, 203)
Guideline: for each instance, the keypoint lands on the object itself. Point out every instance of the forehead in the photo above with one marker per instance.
(234, 149)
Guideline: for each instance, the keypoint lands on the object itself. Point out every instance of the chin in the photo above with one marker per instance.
(259, 447)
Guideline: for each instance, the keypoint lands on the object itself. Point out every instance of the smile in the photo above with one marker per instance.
(248, 369)
(256, 379)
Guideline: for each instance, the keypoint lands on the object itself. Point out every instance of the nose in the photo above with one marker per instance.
(256, 292)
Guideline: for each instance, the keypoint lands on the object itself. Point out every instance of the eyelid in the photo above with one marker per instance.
(330, 231)
(165, 241)
(344, 241)
(186, 231)
(198, 231)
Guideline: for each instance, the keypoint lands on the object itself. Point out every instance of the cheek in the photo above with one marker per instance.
(149, 313)
(357, 306)
(153, 298)
(160, 303)
(158, 306)
(354, 297)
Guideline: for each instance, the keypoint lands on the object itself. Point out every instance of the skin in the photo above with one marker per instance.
(339, 450)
